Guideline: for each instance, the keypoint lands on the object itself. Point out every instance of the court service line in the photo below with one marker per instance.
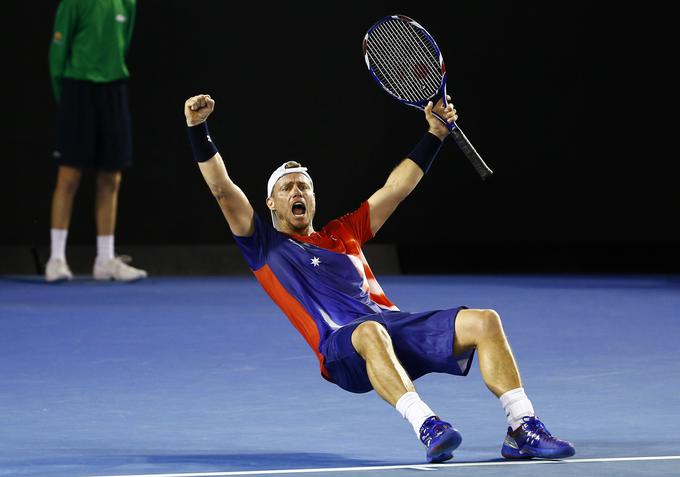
(411, 466)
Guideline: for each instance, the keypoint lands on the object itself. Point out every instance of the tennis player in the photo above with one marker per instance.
(323, 284)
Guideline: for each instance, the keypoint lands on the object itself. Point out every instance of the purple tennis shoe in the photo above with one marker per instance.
(440, 438)
(532, 439)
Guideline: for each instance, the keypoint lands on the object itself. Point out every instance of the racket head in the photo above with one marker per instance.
(405, 60)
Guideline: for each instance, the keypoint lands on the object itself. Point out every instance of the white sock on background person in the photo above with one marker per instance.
(516, 405)
(414, 410)
(105, 247)
(58, 243)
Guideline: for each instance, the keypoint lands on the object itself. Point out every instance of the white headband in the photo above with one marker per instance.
(282, 171)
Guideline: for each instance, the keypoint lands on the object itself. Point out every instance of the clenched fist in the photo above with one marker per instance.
(198, 108)
(436, 126)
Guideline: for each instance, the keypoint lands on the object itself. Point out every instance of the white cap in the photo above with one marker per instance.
(281, 171)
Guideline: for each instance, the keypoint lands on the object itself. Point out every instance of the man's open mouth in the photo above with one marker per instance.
(299, 209)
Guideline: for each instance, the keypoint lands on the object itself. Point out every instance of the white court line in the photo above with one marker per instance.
(397, 467)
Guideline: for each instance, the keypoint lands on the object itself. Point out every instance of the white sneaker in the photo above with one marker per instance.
(117, 269)
(57, 270)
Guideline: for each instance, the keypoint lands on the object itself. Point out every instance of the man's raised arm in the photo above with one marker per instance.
(233, 202)
(408, 173)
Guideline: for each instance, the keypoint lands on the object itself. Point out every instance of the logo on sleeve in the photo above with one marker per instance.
(120, 18)
(58, 37)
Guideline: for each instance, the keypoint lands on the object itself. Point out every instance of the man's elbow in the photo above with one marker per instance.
(220, 192)
(403, 185)
(403, 190)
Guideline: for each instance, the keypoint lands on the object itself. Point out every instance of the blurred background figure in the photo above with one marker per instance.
(89, 78)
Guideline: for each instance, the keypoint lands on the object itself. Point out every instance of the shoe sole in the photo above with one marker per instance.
(113, 279)
(58, 279)
(444, 450)
(530, 453)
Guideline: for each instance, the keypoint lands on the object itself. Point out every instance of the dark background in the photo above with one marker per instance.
(573, 106)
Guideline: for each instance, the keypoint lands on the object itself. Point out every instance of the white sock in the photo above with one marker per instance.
(414, 410)
(58, 243)
(105, 247)
(516, 405)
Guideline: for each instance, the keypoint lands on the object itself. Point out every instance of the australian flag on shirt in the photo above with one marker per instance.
(321, 281)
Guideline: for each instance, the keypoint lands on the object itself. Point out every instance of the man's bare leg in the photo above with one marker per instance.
(527, 436)
(387, 375)
(68, 180)
(483, 330)
(392, 383)
(106, 202)
(107, 266)
(106, 207)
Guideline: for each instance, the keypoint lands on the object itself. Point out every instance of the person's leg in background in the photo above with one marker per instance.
(68, 180)
(106, 206)
(107, 265)
(113, 155)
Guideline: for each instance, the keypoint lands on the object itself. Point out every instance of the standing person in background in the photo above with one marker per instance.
(89, 79)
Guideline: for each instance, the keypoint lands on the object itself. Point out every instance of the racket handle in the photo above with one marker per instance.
(470, 152)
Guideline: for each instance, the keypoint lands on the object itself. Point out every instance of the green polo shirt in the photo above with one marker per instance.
(90, 41)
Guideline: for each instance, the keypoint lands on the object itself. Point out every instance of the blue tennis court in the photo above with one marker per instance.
(175, 376)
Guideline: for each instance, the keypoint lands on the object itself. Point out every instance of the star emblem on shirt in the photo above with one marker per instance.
(315, 261)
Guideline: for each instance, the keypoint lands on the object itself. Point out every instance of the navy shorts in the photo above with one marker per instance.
(423, 343)
(94, 128)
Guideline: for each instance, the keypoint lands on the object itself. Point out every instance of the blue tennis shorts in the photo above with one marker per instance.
(423, 343)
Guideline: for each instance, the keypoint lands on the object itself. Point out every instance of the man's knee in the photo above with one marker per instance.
(370, 334)
(475, 326)
(489, 322)
(108, 181)
(68, 179)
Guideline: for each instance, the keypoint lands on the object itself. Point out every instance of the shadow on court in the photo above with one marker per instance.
(264, 460)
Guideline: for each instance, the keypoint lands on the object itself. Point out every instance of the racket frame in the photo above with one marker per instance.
(468, 149)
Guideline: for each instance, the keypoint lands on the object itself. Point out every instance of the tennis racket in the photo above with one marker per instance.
(405, 61)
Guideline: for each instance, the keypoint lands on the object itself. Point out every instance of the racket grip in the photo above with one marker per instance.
(470, 152)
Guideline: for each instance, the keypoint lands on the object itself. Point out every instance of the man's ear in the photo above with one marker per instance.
(270, 203)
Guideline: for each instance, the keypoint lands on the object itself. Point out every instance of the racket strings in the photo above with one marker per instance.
(429, 66)
(405, 61)
(391, 75)
(398, 63)
(403, 57)
(386, 69)
(419, 42)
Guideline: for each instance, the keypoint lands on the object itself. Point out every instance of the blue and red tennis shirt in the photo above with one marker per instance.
(321, 281)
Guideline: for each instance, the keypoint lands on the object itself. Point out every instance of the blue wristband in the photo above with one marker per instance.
(425, 151)
(201, 143)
